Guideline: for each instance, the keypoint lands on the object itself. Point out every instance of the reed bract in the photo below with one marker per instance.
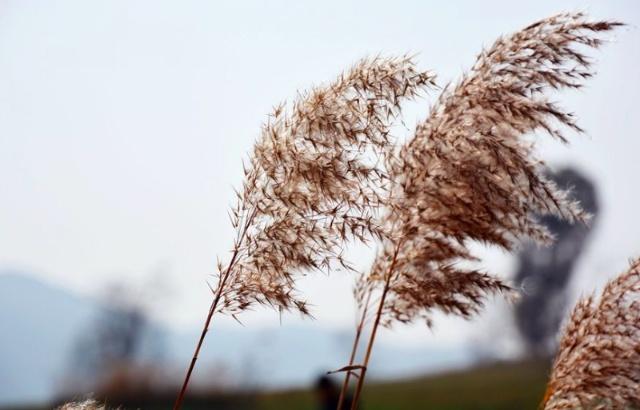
(598, 361)
(314, 181)
(89, 404)
(469, 175)
(325, 171)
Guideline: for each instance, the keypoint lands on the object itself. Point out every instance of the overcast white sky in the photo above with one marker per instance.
(123, 125)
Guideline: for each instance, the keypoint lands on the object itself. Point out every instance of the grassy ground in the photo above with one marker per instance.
(513, 386)
(507, 386)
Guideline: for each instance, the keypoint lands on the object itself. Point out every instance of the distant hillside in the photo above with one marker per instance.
(503, 386)
(40, 324)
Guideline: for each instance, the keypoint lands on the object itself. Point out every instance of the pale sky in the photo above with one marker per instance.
(123, 125)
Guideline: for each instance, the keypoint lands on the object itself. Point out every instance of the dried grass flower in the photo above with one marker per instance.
(315, 181)
(469, 175)
(598, 361)
(89, 404)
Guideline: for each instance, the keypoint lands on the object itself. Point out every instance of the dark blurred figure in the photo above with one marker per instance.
(544, 272)
(328, 393)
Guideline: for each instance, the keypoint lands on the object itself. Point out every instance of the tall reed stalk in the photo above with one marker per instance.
(314, 182)
(469, 175)
(212, 310)
(374, 330)
(363, 298)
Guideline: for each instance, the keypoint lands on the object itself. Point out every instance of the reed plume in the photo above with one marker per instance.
(315, 180)
(468, 174)
(89, 404)
(598, 362)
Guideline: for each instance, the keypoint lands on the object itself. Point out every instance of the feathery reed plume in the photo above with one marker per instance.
(315, 180)
(598, 362)
(468, 175)
(83, 405)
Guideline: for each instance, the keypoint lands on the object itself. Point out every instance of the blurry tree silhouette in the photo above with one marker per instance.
(544, 272)
(120, 351)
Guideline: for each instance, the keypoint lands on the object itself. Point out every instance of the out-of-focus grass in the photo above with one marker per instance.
(512, 386)
(506, 386)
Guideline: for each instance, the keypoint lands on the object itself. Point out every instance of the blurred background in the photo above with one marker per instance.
(123, 125)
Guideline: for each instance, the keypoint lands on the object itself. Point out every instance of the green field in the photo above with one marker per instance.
(505, 386)
(513, 386)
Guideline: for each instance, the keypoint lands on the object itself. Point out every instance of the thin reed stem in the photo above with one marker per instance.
(212, 310)
(374, 330)
(205, 329)
(354, 350)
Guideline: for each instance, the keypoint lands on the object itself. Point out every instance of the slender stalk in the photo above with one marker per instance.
(212, 309)
(354, 350)
(374, 330)
(205, 329)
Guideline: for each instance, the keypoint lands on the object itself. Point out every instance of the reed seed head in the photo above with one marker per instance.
(82, 405)
(315, 181)
(598, 361)
(468, 174)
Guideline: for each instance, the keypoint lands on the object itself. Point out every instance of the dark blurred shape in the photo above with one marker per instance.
(327, 394)
(544, 272)
(120, 353)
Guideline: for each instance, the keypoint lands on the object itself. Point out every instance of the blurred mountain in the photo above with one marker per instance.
(294, 356)
(41, 325)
